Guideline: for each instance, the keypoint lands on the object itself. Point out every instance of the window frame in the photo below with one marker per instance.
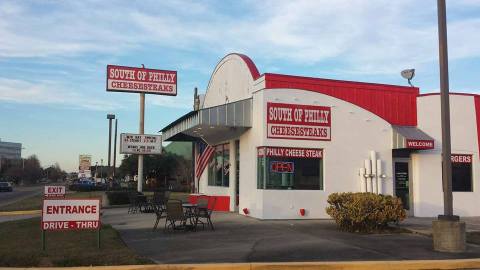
(263, 161)
(212, 174)
(469, 161)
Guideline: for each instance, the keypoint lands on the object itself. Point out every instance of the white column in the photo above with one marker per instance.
(232, 175)
(363, 181)
(373, 159)
(368, 171)
(379, 177)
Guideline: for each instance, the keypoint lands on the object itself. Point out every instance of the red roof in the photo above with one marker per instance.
(396, 104)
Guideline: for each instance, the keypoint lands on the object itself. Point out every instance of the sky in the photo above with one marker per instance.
(53, 57)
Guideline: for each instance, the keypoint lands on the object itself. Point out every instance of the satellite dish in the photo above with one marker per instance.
(408, 74)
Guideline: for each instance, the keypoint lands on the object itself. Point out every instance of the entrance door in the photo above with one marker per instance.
(237, 174)
(403, 183)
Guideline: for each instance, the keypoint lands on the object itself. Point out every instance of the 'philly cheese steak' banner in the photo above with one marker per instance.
(301, 122)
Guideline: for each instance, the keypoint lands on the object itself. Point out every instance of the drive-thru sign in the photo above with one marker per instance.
(71, 214)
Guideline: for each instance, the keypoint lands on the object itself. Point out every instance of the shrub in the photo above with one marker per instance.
(117, 197)
(364, 212)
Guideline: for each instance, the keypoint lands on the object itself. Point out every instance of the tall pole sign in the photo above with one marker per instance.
(143, 81)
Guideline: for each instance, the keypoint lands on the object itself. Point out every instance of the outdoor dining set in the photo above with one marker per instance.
(178, 215)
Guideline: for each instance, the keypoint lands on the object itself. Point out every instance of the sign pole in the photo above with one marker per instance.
(141, 131)
(43, 239)
(98, 237)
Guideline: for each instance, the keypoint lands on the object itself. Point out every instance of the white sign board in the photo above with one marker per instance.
(140, 144)
(71, 214)
(141, 80)
(54, 191)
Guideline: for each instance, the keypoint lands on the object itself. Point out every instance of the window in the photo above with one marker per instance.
(290, 168)
(218, 168)
(461, 172)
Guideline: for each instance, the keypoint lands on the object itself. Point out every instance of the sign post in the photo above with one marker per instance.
(141, 130)
(141, 80)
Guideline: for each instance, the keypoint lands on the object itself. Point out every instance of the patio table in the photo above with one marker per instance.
(190, 213)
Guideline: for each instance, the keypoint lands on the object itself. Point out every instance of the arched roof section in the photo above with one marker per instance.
(232, 80)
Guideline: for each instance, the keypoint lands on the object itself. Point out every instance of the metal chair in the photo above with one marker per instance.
(158, 205)
(175, 214)
(133, 207)
(205, 206)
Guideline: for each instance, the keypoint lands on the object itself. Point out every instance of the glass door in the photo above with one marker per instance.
(403, 183)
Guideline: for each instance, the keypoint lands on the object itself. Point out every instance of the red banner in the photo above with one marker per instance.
(288, 152)
(302, 122)
(420, 144)
(141, 80)
(459, 158)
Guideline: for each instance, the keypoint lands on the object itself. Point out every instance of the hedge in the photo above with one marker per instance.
(364, 212)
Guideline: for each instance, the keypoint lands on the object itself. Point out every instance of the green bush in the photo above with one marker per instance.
(118, 197)
(364, 212)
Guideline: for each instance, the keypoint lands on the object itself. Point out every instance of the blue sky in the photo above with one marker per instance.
(53, 57)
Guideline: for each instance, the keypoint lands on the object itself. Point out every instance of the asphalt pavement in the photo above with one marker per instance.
(19, 193)
(242, 239)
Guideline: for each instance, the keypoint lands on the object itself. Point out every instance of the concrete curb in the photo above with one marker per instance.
(17, 213)
(363, 265)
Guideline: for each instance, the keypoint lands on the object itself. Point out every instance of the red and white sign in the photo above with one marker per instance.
(288, 152)
(141, 80)
(301, 122)
(459, 158)
(54, 192)
(71, 214)
(420, 144)
(282, 167)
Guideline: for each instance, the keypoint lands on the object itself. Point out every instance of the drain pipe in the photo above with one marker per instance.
(368, 174)
(363, 181)
(373, 160)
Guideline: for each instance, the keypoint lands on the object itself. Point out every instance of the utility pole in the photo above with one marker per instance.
(115, 149)
(448, 231)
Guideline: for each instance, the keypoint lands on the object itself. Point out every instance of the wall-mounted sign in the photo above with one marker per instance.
(71, 214)
(289, 152)
(420, 144)
(140, 144)
(282, 167)
(141, 80)
(54, 192)
(460, 158)
(301, 122)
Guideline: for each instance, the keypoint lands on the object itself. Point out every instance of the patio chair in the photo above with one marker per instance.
(205, 206)
(175, 214)
(158, 206)
(133, 207)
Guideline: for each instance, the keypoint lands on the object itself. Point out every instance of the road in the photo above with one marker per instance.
(19, 193)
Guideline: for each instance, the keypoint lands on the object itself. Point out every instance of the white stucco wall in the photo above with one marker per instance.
(355, 132)
(427, 175)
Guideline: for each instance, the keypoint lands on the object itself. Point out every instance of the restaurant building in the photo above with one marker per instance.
(274, 146)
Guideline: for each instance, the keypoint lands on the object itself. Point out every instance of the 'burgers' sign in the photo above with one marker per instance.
(294, 121)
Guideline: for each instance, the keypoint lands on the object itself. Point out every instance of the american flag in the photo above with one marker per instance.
(204, 154)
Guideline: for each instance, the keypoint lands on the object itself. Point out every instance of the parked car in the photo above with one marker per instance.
(83, 185)
(6, 186)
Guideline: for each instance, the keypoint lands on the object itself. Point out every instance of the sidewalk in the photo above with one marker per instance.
(242, 239)
(423, 226)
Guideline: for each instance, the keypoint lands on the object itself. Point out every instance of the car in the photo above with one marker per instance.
(6, 186)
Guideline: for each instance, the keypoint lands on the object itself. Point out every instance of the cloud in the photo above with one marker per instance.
(179, 102)
(373, 36)
(50, 93)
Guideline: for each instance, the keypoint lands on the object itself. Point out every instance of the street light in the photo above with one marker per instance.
(110, 117)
